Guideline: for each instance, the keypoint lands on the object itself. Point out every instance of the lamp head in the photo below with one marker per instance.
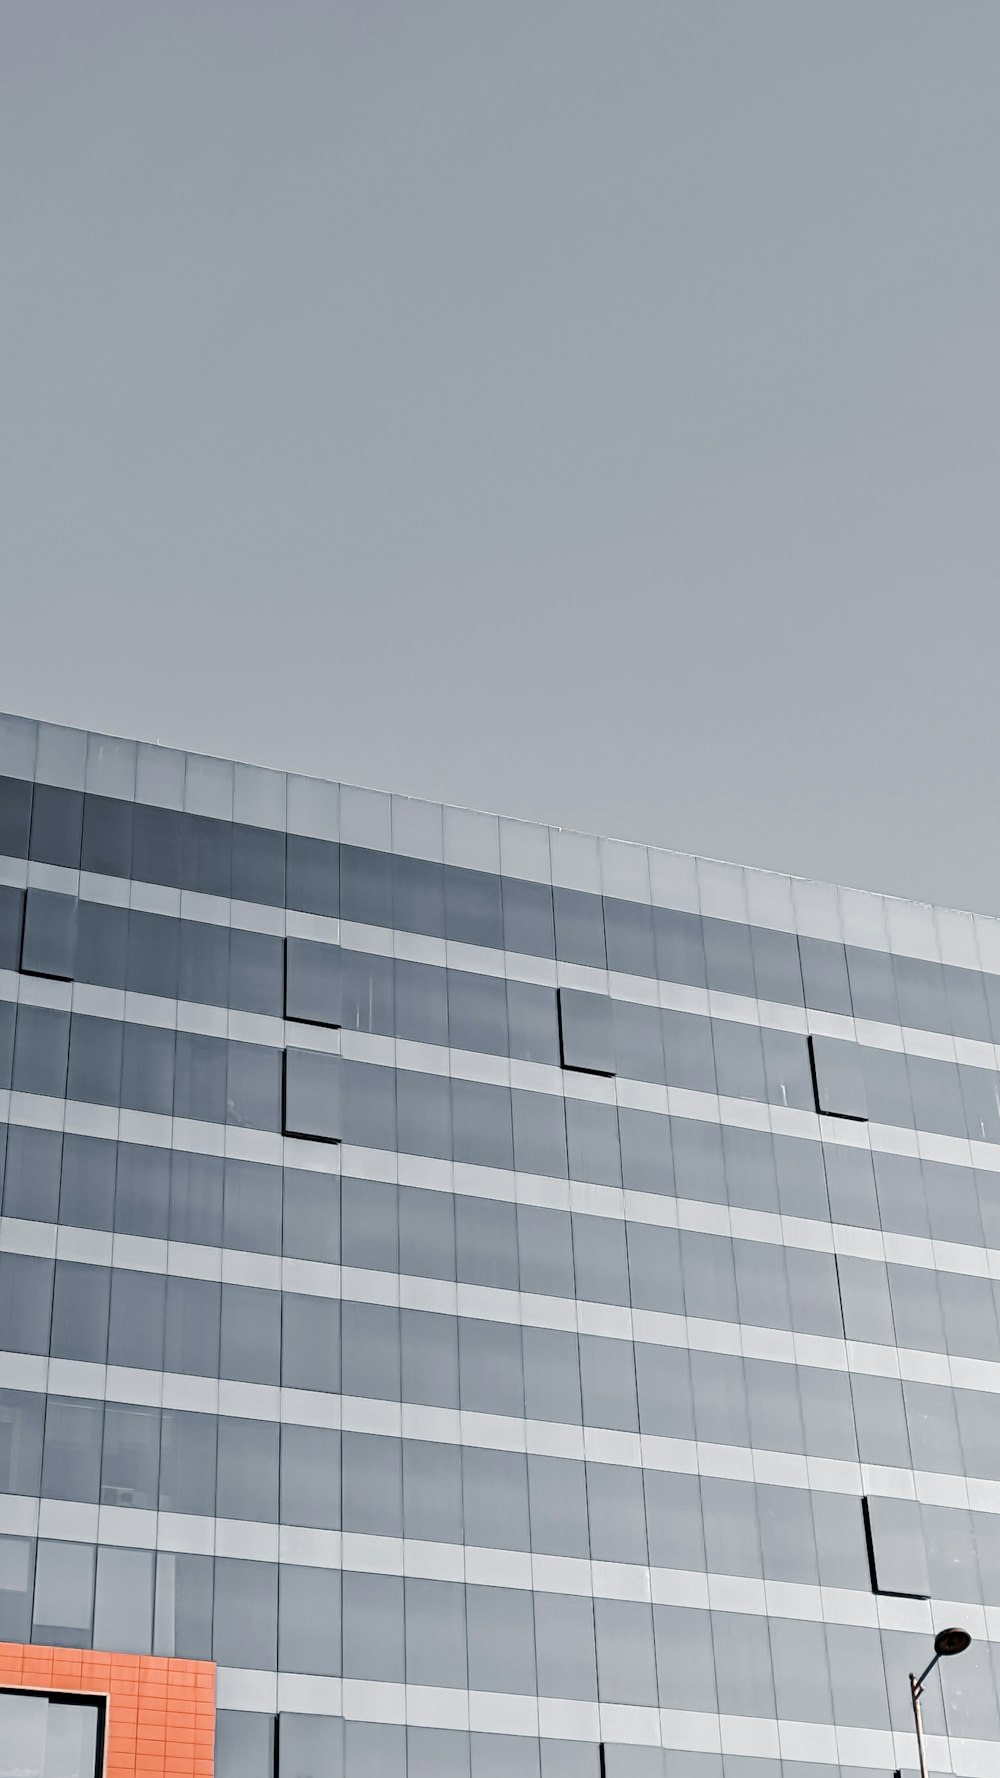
(951, 1642)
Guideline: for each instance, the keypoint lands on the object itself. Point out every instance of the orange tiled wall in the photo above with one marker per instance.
(160, 1714)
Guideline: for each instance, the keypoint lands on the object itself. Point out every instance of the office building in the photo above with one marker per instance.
(480, 1301)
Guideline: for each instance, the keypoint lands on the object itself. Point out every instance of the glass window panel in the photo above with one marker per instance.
(732, 1540)
(586, 1032)
(247, 1485)
(253, 1086)
(592, 1142)
(486, 1242)
(920, 990)
(472, 907)
(617, 1513)
(527, 918)
(245, 1622)
(71, 1462)
(17, 1568)
(310, 1477)
(628, 928)
(256, 972)
(11, 909)
(370, 1351)
(481, 1119)
(311, 1213)
(207, 855)
(607, 1372)
(838, 1078)
(373, 1627)
(196, 1198)
(788, 1543)
(369, 1225)
(688, 1053)
(600, 1258)
(312, 1095)
(638, 1042)
(244, 1742)
(152, 966)
(551, 1375)
(680, 948)
(15, 817)
(312, 982)
(421, 1002)
(787, 1074)
(720, 1398)
(501, 1640)
(56, 825)
(674, 1521)
(533, 1021)
(495, 1495)
(312, 875)
(801, 1685)
(579, 926)
(776, 967)
(310, 1343)
(48, 943)
(21, 1420)
(423, 1111)
(897, 1551)
(477, 1013)
(148, 1069)
(545, 1251)
(557, 1489)
(41, 1047)
(80, 1306)
(252, 1207)
(825, 976)
(64, 1594)
(31, 1175)
(258, 864)
(491, 1379)
(142, 1192)
(663, 1376)
(432, 1491)
(250, 1346)
(123, 1605)
(191, 1342)
(739, 1060)
(309, 1746)
(418, 895)
(308, 1620)
(137, 1316)
(130, 1462)
(203, 973)
(743, 1664)
(435, 1633)
(426, 1233)
(372, 1484)
(728, 957)
(102, 944)
(25, 1302)
(539, 1134)
(565, 1648)
(685, 1659)
(709, 1277)
(626, 1665)
(188, 1452)
(95, 1061)
(647, 1162)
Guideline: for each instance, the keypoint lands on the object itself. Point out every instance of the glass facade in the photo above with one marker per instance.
(525, 1306)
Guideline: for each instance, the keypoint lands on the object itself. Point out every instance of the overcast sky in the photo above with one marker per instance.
(589, 411)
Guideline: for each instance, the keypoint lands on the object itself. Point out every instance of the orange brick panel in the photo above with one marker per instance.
(160, 1713)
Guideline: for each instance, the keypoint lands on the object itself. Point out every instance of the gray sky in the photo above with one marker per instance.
(588, 411)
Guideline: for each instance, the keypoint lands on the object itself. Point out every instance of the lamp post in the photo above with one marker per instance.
(946, 1642)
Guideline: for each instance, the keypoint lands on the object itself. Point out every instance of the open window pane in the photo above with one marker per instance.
(585, 1032)
(897, 1556)
(312, 982)
(48, 944)
(837, 1078)
(312, 1095)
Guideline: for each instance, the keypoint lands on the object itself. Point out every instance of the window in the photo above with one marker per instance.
(585, 1032)
(837, 1079)
(897, 1558)
(42, 1735)
(312, 1095)
(48, 940)
(312, 982)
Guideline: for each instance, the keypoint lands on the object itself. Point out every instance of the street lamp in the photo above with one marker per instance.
(946, 1642)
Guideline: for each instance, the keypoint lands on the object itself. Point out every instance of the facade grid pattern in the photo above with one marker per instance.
(516, 1303)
